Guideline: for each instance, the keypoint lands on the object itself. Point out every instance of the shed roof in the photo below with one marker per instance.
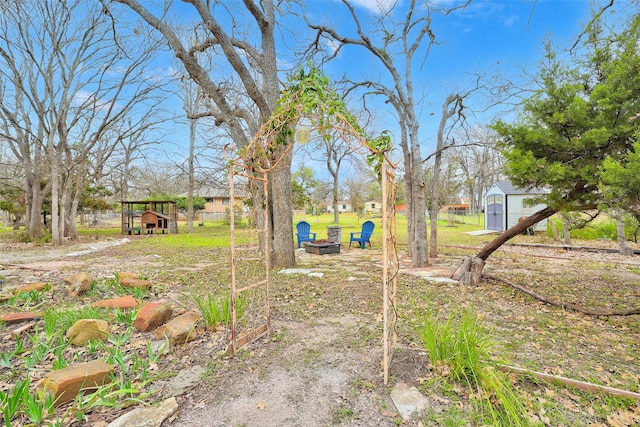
(161, 215)
(508, 188)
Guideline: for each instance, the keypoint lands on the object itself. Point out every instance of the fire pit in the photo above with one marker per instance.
(322, 247)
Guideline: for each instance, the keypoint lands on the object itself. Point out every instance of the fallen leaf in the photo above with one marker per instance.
(389, 414)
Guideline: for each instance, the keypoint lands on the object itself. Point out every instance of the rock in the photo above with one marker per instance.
(127, 275)
(135, 283)
(78, 283)
(64, 384)
(159, 346)
(408, 400)
(127, 301)
(295, 271)
(147, 417)
(152, 315)
(180, 330)
(184, 381)
(23, 316)
(30, 287)
(88, 329)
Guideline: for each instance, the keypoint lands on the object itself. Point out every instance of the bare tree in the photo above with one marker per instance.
(66, 85)
(355, 190)
(334, 152)
(452, 107)
(115, 162)
(192, 99)
(394, 45)
(479, 163)
(243, 35)
(448, 190)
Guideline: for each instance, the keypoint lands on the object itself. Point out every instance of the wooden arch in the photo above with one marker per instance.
(320, 111)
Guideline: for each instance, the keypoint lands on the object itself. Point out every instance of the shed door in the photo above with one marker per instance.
(495, 215)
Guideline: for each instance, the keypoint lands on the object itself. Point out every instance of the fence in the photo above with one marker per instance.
(462, 217)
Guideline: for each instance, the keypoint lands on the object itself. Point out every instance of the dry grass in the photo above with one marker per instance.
(528, 333)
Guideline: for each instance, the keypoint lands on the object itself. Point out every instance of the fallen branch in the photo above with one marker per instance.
(26, 267)
(561, 304)
(581, 385)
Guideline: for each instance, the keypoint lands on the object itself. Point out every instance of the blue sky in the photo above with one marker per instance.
(493, 36)
(489, 36)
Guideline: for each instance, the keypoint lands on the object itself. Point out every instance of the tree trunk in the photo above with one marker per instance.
(72, 231)
(567, 230)
(34, 221)
(470, 272)
(622, 240)
(417, 211)
(433, 239)
(55, 198)
(16, 221)
(554, 230)
(192, 138)
(336, 214)
(282, 253)
(435, 203)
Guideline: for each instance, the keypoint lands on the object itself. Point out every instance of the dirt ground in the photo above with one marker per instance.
(321, 364)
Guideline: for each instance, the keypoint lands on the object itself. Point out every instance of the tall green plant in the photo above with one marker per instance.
(460, 345)
(217, 311)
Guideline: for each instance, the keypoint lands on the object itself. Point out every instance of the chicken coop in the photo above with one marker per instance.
(149, 217)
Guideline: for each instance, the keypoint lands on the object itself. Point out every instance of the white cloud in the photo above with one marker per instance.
(85, 98)
(510, 20)
(330, 45)
(375, 6)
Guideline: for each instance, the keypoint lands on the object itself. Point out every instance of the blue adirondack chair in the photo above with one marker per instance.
(363, 236)
(304, 233)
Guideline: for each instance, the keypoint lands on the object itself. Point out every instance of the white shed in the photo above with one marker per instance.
(342, 207)
(373, 207)
(505, 205)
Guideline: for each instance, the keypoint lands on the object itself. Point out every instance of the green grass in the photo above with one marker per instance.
(216, 234)
(350, 222)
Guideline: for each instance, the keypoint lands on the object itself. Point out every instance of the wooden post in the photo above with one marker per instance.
(385, 286)
(232, 258)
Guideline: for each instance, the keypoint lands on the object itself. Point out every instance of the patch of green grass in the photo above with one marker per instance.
(65, 318)
(342, 414)
(28, 300)
(451, 416)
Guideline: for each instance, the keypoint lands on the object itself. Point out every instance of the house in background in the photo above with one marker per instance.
(373, 207)
(505, 204)
(216, 202)
(342, 207)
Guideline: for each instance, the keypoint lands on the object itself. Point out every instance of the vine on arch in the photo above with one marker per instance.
(309, 96)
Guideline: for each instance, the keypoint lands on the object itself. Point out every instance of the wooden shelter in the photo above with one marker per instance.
(149, 217)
